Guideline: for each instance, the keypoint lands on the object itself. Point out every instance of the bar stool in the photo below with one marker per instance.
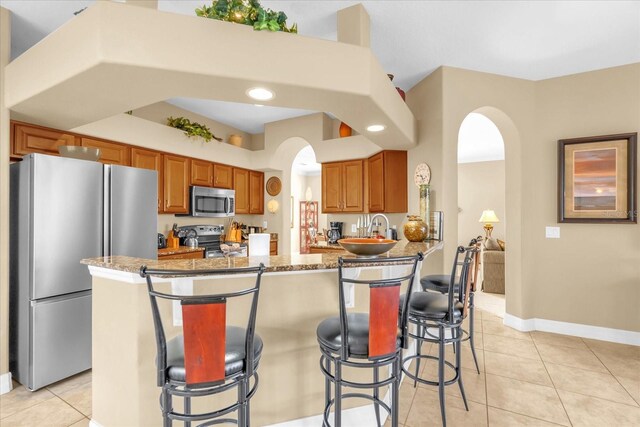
(446, 314)
(366, 340)
(209, 357)
(440, 283)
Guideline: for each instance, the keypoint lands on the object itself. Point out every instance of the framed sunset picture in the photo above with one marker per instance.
(597, 179)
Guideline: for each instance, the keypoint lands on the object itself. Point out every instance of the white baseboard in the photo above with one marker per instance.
(576, 329)
(6, 385)
(93, 423)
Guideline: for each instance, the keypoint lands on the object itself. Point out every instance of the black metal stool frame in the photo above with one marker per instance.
(343, 356)
(467, 335)
(241, 380)
(448, 322)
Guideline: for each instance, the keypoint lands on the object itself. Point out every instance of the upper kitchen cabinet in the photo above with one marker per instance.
(201, 173)
(147, 159)
(256, 192)
(176, 184)
(222, 176)
(343, 186)
(36, 139)
(387, 183)
(110, 152)
(242, 187)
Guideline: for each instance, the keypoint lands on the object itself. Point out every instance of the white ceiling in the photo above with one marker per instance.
(526, 39)
(305, 163)
(479, 140)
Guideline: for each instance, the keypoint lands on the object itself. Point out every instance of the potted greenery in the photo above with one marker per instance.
(192, 129)
(247, 12)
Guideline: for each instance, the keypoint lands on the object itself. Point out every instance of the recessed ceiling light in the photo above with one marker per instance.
(260, 93)
(375, 128)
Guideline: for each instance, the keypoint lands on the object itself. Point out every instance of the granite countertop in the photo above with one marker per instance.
(178, 250)
(294, 262)
(321, 245)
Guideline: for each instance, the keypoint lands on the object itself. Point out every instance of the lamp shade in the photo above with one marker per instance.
(488, 216)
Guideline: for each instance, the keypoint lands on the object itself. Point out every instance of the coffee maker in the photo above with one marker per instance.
(335, 232)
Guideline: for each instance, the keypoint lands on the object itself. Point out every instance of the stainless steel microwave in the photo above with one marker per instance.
(212, 202)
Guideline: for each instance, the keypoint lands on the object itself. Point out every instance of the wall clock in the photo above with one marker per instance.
(422, 175)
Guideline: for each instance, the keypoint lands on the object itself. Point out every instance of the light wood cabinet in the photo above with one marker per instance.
(222, 176)
(243, 193)
(176, 184)
(387, 183)
(28, 139)
(201, 173)
(273, 248)
(148, 159)
(110, 152)
(343, 186)
(256, 192)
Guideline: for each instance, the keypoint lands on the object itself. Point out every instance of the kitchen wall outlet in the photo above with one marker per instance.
(264, 224)
(353, 228)
(552, 232)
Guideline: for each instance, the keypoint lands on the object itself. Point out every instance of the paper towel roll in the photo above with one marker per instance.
(259, 244)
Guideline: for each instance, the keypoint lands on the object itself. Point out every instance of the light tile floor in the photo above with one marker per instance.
(526, 379)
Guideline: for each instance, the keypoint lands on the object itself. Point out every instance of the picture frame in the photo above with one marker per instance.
(436, 219)
(597, 179)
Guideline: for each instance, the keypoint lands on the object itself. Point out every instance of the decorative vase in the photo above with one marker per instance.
(425, 192)
(235, 140)
(400, 91)
(415, 229)
(345, 130)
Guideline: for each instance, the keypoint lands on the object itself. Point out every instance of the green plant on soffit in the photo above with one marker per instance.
(247, 12)
(192, 129)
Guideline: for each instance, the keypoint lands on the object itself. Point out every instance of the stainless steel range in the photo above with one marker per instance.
(209, 237)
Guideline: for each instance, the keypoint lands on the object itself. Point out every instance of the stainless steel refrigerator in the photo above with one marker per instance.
(64, 210)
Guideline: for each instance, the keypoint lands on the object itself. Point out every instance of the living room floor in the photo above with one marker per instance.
(526, 379)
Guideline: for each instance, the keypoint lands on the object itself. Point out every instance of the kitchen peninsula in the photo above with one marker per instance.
(296, 293)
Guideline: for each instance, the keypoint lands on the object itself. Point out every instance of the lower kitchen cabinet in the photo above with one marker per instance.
(110, 152)
(176, 184)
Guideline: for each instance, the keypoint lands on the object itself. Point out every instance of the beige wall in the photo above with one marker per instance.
(5, 55)
(597, 281)
(160, 111)
(480, 187)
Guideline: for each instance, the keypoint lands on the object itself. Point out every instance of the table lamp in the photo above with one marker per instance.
(488, 217)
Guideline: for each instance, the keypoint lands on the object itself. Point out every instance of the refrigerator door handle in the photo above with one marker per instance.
(107, 211)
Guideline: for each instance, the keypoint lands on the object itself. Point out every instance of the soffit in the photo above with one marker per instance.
(114, 57)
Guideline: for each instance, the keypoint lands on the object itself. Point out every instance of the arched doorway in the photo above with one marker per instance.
(481, 198)
(514, 293)
(305, 190)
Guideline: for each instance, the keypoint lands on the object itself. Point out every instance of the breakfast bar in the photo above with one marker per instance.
(296, 293)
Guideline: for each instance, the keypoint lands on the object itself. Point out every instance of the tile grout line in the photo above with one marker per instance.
(523, 415)
(554, 385)
(612, 374)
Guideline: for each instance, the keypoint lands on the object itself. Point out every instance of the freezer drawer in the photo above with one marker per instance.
(61, 338)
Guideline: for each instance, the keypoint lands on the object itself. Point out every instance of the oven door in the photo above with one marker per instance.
(212, 202)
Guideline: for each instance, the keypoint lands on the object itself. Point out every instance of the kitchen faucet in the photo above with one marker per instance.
(373, 221)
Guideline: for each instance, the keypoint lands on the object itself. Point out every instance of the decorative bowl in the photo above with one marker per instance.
(367, 247)
(82, 153)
